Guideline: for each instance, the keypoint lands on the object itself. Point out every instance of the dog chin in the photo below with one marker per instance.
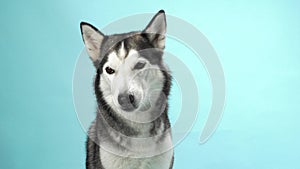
(139, 108)
(129, 108)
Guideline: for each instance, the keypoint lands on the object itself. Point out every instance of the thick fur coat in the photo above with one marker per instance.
(132, 85)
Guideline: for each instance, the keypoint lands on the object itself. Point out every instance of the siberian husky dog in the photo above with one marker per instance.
(132, 84)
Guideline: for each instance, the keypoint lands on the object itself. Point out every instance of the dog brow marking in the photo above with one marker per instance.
(122, 51)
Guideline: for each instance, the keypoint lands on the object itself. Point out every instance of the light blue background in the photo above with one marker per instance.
(258, 45)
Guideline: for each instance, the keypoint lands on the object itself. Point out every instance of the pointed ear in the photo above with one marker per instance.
(93, 39)
(156, 30)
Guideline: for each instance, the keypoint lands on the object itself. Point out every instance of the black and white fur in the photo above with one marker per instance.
(132, 84)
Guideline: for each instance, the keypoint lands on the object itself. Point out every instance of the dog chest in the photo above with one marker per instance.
(112, 161)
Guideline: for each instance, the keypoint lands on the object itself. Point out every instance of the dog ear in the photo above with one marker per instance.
(156, 30)
(93, 39)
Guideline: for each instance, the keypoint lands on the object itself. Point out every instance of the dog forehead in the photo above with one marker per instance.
(129, 47)
(113, 59)
(132, 56)
(117, 57)
(122, 52)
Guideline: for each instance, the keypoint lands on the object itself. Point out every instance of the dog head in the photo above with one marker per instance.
(131, 76)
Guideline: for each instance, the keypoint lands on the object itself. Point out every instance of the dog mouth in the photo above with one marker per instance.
(129, 107)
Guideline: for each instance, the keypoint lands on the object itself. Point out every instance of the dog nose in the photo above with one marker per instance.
(127, 102)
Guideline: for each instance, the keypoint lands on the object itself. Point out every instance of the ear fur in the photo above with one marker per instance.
(156, 30)
(93, 39)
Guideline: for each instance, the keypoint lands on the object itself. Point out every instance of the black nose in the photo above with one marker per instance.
(127, 102)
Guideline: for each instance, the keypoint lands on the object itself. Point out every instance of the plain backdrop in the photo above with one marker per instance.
(258, 46)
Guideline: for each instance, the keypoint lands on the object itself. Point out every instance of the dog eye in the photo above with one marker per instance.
(109, 70)
(140, 65)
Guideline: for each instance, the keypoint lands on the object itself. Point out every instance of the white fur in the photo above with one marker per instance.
(112, 161)
(140, 153)
(122, 51)
(145, 84)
